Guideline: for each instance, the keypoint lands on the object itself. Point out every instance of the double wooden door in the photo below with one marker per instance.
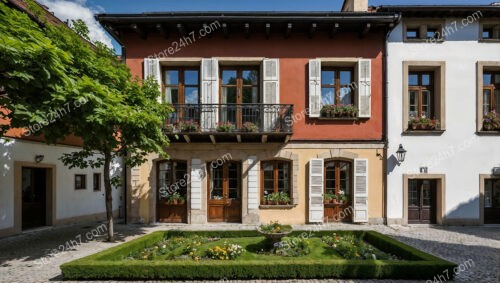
(422, 201)
(224, 192)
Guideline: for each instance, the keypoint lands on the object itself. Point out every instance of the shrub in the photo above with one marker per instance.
(352, 247)
(274, 227)
(292, 249)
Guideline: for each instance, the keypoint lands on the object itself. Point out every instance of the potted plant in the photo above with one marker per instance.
(169, 128)
(273, 198)
(327, 111)
(181, 200)
(283, 198)
(264, 200)
(249, 127)
(174, 198)
(188, 126)
(225, 127)
(423, 123)
(328, 198)
(491, 121)
(334, 199)
(343, 197)
(274, 231)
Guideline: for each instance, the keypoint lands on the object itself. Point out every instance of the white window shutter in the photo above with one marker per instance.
(209, 93)
(253, 182)
(316, 207)
(196, 175)
(314, 87)
(364, 88)
(271, 93)
(152, 69)
(360, 200)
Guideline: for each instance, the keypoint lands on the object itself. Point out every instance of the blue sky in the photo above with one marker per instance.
(85, 9)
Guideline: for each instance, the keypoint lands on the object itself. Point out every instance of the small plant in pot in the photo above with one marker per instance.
(283, 198)
(174, 198)
(273, 198)
(169, 128)
(328, 198)
(225, 127)
(327, 111)
(250, 127)
(274, 231)
(491, 121)
(343, 198)
(188, 126)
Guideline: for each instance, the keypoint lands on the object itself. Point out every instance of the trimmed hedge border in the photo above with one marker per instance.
(108, 264)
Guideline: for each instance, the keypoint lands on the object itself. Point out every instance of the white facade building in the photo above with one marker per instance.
(36, 191)
(448, 175)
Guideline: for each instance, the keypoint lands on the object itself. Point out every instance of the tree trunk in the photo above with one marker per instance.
(109, 196)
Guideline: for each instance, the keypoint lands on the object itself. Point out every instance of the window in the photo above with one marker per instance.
(412, 33)
(275, 178)
(490, 31)
(423, 31)
(239, 85)
(172, 178)
(337, 85)
(420, 94)
(80, 182)
(424, 97)
(491, 91)
(338, 177)
(97, 182)
(181, 85)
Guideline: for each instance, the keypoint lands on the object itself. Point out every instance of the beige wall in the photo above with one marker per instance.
(141, 206)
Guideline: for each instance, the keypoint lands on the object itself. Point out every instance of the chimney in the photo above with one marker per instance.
(355, 6)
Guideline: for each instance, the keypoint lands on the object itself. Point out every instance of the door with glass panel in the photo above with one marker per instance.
(171, 202)
(224, 192)
(239, 96)
(421, 95)
(182, 88)
(422, 201)
(492, 201)
(338, 190)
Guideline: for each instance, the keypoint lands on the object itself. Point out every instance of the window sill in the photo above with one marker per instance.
(423, 132)
(339, 118)
(277, 206)
(488, 133)
(422, 40)
(493, 40)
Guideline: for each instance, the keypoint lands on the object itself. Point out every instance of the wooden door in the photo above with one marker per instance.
(492, 201)
(171, 178)
(422, 201)
(224, 193)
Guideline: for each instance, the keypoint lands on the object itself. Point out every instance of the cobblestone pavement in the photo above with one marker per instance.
(20, 256)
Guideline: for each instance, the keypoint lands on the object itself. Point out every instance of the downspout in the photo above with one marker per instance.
(385, 115)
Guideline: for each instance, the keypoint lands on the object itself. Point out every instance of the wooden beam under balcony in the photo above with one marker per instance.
(238, 138)
(264, 138)
(287, 138)
(212, 138)
(186, 137)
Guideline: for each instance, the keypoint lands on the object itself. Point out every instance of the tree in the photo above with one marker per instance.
(80, 28)
(114, 115)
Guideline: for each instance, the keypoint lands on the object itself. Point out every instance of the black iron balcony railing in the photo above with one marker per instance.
(231, 118)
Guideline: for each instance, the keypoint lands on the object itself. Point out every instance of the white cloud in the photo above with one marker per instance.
(72, 10)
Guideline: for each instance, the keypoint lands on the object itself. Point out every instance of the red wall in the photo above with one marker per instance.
(294, 54)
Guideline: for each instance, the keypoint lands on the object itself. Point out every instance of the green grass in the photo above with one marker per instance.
(322, 262)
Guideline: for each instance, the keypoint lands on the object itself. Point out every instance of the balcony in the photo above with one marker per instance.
(230, 123)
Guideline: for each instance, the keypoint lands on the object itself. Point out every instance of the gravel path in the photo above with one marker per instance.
(27, 257)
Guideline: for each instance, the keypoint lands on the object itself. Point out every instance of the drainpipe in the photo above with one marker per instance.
(125, 182)
(385, 116)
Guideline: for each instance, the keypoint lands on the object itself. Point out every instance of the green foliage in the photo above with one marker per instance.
(352, 247)
(297, 247)
(49, 69)
(108, 264)
(80, 28)
(274, 227)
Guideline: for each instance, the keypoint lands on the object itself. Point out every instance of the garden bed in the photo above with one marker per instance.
(247, 255)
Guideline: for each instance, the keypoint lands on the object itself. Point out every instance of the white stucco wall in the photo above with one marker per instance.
(69, 202)
(458, 153)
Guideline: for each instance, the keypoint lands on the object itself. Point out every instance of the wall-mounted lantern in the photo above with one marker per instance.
(39, 158)
(400, 154)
